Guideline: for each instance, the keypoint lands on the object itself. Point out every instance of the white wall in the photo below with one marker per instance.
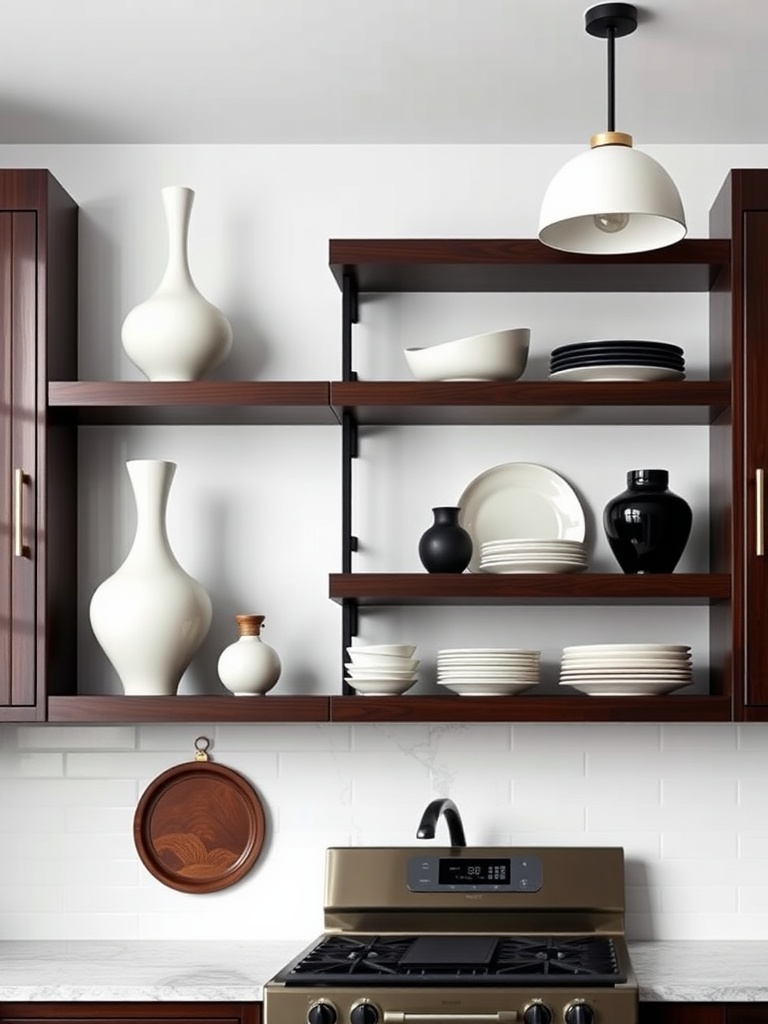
(686, 802)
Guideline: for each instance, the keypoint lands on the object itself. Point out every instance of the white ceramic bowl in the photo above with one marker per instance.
(378, 673)
(381, 661)
(401, 650)
(499, 355)
(380, 687)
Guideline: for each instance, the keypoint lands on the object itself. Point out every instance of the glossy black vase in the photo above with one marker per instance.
(647, 526)
(445, 546)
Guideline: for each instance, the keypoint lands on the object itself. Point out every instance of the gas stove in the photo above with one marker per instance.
(458, 935)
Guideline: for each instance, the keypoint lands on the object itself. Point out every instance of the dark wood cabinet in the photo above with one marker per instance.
(684, 1013)
(38, 325)
(127, 1012)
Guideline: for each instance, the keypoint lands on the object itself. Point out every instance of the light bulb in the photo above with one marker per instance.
(610, 223)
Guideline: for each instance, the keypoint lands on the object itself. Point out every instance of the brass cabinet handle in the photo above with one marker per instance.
(19, 479)
(759, 512)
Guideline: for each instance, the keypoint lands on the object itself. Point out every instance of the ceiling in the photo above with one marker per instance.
(368, 71)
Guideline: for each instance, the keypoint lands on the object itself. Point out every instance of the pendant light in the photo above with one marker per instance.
(612, 199)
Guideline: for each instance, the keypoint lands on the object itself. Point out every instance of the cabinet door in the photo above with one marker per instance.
(683, 1013)
(130, 1013)
(18, 461)
(756, 455)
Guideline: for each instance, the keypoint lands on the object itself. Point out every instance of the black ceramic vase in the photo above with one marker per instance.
(647, 526)
(445, 546)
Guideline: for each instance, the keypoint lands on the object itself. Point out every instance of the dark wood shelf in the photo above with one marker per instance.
(188, 709)
(190, 402)
(537, 402)
(553, 588)
(521, 265)
(668, 708)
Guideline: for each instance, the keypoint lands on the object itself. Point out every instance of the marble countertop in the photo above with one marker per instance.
(194, 971)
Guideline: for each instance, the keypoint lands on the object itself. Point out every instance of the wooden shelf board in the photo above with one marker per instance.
(552, 588)
(668, 708)
(190, 402)
(511, 265)
(188, 709)
(543, 402)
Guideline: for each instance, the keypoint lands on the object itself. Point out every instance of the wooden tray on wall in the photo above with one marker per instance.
(199, 827)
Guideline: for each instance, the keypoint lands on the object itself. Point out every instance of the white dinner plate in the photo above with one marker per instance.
(628, 689)
(519, 500)
(608, 373)
(471, 688)
(507, 568)
(467, 672)
(616, 648)
(487, 650)
(625, 673)
(492, 546)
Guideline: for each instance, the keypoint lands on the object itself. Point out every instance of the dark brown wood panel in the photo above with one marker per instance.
(147, 1013)
(456, 588)
(525, 708)
(682, 1013)
(190, 402)
(6, 464)
(512, 265)
(745, 1013)
(535, 402)
(188, 709)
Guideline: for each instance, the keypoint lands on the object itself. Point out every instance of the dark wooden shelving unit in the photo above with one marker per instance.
(524, 708)
(187, 403)
(553, 588)
(483, 403)
(268, 708)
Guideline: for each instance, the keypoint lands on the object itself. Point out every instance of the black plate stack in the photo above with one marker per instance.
(617, 360)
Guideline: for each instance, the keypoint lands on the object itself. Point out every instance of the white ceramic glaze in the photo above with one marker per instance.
(150, 616)
(609, 373)
(176, 334)
(400, 650)
(497, 355)
(519, 500)
(249, 667)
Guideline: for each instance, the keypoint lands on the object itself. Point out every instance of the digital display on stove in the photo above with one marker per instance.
(467, 873)
(482, 871)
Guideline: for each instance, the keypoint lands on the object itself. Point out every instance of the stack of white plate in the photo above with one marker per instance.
(532, 555)
(626, 670)
(487, 671)
(380, 670)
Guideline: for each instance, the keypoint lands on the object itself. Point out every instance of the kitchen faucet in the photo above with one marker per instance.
(430, 816)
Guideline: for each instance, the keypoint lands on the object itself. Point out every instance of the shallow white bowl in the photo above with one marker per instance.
(402, 650)
(378, 673)
(499, 355)
(381, 661)
(380, 687)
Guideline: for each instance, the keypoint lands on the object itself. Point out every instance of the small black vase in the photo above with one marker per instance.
(445, 546)
(647, 526)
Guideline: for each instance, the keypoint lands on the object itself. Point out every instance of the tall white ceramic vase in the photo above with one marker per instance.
(177, 334)
(150, 616)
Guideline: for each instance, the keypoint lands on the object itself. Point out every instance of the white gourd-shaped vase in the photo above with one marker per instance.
(177, 334)
(150, 616)
(249, 667)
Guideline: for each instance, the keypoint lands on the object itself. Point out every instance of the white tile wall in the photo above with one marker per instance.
(687, 803)
(695, 855)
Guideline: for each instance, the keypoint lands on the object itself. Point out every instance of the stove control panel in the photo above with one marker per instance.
(475, 874)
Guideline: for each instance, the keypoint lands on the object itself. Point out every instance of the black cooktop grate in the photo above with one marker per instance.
(457, 959)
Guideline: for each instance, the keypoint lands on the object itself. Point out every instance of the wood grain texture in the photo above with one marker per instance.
(199, 827)
(187, 709)
(148, 1013)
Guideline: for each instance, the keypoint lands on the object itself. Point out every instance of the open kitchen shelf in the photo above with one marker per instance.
(489, 265)
(269, 708)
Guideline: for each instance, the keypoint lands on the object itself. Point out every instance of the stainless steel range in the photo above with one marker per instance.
(464, 935)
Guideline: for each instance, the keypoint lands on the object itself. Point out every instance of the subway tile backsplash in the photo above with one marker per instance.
(686, 802)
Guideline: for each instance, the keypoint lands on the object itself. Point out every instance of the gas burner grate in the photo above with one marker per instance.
(444, 959)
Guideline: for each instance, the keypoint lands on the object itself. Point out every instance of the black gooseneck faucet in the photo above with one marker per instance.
(450, 811)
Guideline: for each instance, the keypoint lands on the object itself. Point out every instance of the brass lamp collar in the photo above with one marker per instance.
(610, 139)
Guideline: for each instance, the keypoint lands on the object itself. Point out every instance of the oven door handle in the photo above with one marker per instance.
(502, 1017)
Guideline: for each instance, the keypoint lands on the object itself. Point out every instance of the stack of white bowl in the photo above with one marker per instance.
(532, 555)
(626, 670)
(487, 671)
(379, 670)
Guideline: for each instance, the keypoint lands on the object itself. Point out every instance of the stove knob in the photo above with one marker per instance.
(322, 1012)
(579, 1013)
(537, 1013)
(365, 1013)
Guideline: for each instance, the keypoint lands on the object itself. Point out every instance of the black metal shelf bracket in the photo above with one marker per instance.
(350, 447)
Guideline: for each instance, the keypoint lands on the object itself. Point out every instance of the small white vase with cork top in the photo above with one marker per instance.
(249, 667)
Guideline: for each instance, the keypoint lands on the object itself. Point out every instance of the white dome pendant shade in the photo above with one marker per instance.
(612, 199)
(609, 200)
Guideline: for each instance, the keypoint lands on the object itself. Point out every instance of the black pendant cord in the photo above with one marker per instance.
(611, 79)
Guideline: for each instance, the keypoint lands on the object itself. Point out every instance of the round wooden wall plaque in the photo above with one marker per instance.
(199, 827)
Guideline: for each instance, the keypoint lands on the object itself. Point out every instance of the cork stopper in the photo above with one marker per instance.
(249, 625)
